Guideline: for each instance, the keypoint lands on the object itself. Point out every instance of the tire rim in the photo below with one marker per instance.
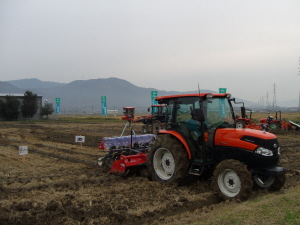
(263, 181)
(229, 183)
(239, 125)
(164, 163)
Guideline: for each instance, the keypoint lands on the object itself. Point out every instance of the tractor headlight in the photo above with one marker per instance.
(263, 151)
(278, 150)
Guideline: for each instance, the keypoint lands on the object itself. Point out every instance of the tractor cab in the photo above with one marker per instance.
(196, 117)
(157, 109)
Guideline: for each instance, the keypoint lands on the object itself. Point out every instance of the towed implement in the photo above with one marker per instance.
(125, 153)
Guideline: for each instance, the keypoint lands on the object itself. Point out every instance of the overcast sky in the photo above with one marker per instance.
(246, 46)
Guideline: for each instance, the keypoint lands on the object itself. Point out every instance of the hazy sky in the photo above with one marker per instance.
(243, 45)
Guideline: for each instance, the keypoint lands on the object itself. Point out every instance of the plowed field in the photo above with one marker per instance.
(59, 182)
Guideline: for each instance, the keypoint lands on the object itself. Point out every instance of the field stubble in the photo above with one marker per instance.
(60, 182)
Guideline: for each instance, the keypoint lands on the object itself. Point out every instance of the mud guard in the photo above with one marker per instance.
(180, 138)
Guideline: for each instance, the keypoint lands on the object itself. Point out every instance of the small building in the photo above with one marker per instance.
(20, 97)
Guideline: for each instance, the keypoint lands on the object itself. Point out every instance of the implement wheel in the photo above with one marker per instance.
(168, 161)
(232, 180)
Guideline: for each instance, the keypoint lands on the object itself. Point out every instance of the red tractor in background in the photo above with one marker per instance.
(239, 159)
(244, 121)
(271, 123)
(154, 121)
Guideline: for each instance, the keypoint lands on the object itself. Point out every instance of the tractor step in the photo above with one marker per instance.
(196, 169)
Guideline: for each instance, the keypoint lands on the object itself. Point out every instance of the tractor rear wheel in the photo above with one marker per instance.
(156, 126)
(232, 180)
(168, 161)
(240, 124)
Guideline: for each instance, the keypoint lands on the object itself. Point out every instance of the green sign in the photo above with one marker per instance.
(222, 90)
(103, 105)
(57, 109)
(103, 99)
(153, 96)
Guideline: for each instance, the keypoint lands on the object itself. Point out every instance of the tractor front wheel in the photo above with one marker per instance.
(240, 124)
(168, 161)
(232, 180)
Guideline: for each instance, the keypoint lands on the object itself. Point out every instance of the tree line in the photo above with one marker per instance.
(11, 108)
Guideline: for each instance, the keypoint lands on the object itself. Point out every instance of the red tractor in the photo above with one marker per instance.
(154, 121)
(246, 122)
(271, 123)
(201, 138)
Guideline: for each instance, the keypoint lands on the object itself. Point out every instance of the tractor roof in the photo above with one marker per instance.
(190, 95)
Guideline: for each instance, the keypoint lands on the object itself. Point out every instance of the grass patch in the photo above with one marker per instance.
(277, 208)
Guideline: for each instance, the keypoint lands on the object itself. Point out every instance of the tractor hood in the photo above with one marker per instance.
(245, 138)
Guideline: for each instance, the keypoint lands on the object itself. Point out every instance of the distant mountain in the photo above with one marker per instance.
(6, 88)
(85, 95)
(34, 83)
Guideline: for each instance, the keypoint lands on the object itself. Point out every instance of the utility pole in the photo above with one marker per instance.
(267, 101)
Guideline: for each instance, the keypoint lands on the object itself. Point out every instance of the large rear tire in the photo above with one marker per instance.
(232, 180)
(168, 161)
(156, 126)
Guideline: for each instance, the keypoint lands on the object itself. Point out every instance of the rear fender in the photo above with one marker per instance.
(180, 138)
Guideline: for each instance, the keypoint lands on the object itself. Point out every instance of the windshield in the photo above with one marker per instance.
(217, 112)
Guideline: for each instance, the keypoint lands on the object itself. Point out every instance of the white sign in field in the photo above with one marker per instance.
(79, 139)
(23, 150)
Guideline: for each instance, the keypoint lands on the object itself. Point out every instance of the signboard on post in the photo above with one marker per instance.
(23, 150)
(79, 139)
(222, 102)
(103, 105)
(57, 108)
(153, 96)
(222, 90)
